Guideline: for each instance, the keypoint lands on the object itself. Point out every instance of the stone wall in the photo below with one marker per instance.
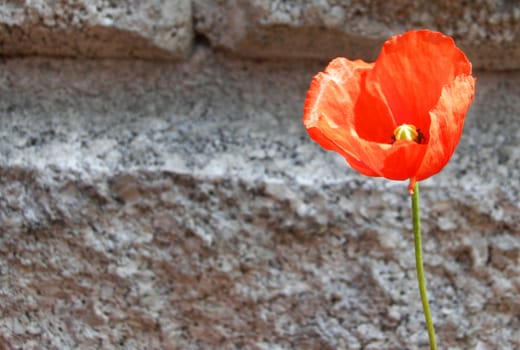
(176, 202)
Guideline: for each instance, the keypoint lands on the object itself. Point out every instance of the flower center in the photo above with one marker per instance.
(407, 132)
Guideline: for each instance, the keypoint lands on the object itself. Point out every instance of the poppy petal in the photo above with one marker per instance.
(329, 116)
(373, 118)
(399, 161)
(404, 160)
(328, 111)
(447, 122)
(333, 93)
(411, 71)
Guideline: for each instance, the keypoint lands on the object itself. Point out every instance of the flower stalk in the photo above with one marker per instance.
(420, 268)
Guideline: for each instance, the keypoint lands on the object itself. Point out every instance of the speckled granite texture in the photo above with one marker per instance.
(177, 202)
(182, 206)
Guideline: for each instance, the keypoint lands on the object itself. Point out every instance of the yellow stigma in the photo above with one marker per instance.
(407, 132)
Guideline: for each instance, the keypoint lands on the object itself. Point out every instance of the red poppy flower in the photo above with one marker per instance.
(400, 117)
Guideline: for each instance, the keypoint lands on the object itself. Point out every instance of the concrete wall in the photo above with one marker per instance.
(158, 190)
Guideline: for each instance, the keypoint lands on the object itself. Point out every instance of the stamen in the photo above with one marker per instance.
(407, 132)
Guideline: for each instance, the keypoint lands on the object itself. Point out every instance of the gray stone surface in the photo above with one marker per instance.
(182, 206)
(487, 30)
(158, 29)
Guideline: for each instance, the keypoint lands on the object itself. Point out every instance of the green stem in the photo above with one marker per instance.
(420, 268)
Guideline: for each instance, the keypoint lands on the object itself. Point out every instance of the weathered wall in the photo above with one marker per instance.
(487, 30)
(98, 28)
(180, 204)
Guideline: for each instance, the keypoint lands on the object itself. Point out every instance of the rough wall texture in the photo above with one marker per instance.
(155, 205)
(100, 28)
(489, 31)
